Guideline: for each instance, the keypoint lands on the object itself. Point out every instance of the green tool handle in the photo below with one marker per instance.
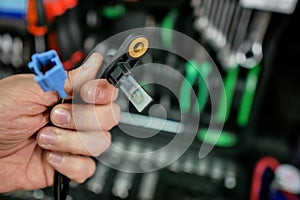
(248, 95)
(227, 96)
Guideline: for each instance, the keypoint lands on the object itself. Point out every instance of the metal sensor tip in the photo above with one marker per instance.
(135, 93)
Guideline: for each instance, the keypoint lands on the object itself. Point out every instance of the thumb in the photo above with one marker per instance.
(87, 71)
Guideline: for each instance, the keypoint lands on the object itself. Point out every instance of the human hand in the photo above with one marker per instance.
(31, 149)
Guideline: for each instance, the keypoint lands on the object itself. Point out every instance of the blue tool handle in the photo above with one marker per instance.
(49, 71)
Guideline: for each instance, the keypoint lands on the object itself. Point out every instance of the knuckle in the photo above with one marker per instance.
(91, 170)
(72, 146)
(84, 173)
(97, 152)
(115, 116)
(106, 144)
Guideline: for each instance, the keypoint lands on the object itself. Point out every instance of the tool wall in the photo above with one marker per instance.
(253, 44)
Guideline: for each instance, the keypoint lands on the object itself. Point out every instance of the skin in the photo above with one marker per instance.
(31, 148)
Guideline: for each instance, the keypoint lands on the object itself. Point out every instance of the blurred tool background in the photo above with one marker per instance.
(255, 45)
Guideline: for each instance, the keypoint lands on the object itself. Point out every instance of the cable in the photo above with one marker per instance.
(56, 185)
(61, 186)
(261, 167)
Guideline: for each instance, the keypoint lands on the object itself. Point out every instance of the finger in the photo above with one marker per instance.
(83, 143)
(26, 126)
(87, 71)
(98, 92)
(86, 117)
(23, 87)
(77, 168)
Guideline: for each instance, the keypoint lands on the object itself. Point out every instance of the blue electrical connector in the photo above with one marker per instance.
(50, 73)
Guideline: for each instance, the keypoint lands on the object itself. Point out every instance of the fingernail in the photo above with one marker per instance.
(55, 157)
(47, 138)
(61, 116)
(94, 93)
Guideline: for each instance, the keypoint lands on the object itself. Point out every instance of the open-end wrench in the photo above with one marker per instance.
(249, 55)
(250, 52)
(241, 29)
(210, 29)
(202, 20)
(219, 23)
(238, 37)
(197, 4)
(225, 53)
(224, 23)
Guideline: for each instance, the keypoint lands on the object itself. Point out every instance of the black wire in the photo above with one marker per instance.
(61, 186)
(66, 185)
(57, 185)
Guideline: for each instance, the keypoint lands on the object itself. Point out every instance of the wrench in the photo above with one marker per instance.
(225, 53)
(250, 52)
(209, 31)
(197, 4)
(220, 39)
(202, 20)
(219, 23)
(229, 62)
(242, 28)
(237, 37)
